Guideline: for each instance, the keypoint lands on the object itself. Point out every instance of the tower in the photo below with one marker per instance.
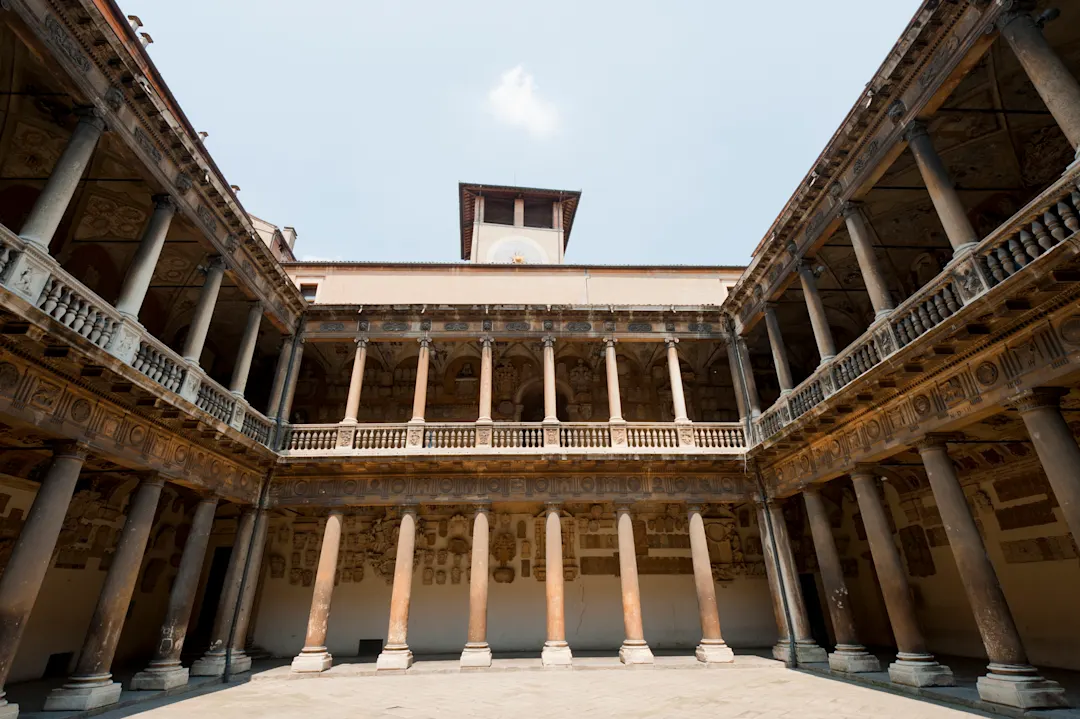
(515, 225)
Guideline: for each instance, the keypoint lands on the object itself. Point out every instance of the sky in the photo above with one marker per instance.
(685, 124)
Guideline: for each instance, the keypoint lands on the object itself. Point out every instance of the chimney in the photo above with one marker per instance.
(146, 39)
(135, 22)
(289, 233)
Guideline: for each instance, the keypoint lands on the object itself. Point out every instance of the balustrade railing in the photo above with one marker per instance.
(459, 435)
(651, 436)
(214, 401)
(931, 307)
(156, 363)
(78, 309)
(708, 436)
(806, 397)
(584, 436)
(380, 436)
(257, 427)
(516, 435)
(309, 436)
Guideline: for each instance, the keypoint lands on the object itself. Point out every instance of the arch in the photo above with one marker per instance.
(533, 389)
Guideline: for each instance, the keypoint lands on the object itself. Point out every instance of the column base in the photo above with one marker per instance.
(77, 696)
(920, 670)
(556, 654)
(635, 651)
(315, 661)
(160, 678)
(394, 658)
(714, 652)
(7, 710)
(476, 654)
(853, 659)
(213, 664)
(806, 652)
(1020, 686)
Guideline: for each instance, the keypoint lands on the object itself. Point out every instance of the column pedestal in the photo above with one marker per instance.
(84, 694)
(312, 659)
(557, 654)
(919, 670)
(1020, 686)
(714, 651)
(212, 664)
(853, 659)
(476, 655)
(634, 652)
(168, 675)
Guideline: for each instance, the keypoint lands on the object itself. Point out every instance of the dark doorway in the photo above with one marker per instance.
(532, 405)
(818, 629)
(204, 627)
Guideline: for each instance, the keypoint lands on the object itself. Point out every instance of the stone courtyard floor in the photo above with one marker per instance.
(754, 688)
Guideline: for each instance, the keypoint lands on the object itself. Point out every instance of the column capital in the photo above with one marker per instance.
(1014, 10)
(623, 506)
(553, 507)
(70, 449)
(361, 342)
(548, 340)
(1037, 398)
(694, 507)
(770, 307)
(610, 342)
(164, 201)
(339, 511)
(851, 208)
(409, 508)
(256, 306)
(91, 116)
(864, 471)
(217, 262)
(151, 478)
(671, 342)
(812, 489)
(424, 342)
(915, 128)
(482, 508)
(209, 499)
(487, 341)
(933, 441)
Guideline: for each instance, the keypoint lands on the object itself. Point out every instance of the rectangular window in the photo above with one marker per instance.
(499, 211)
(309, 291)
(539, 213)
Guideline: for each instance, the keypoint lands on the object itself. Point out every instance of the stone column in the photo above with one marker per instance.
(806, 649)
(736, 380)
(780, 650)
(356, 382)
(712, 648)
(212, 664)
(52, 203)
(850, 655)
(1011, 680)
(246, 352)
(396, 655)
(612, 365)
(748, 377)
(420, 390)
(872, 274)
(485, 381)
(550, 403)
(32, 555)
(634, 650)
(239, 661)
(678, 398)
(914, 665)
(141, 271)
(204, 310)
(935, 175)
(1056, 446)
(556, 651)
(165, 671)
(281, 373)
(779, 353)
(819, 322)
(477, 653)
(314, 657)
(290, 383)
(1046, 70)
(91, 685)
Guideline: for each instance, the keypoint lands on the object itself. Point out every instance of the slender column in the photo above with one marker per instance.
(678, 398)
(736, 379)
(556, 651)
(165, 670)
(356, 382)
(32, 555)
(872, 274)
(634, 650)
(141, 271)
(485, 380)
(748, 377)
(212, 664)
(204, 310)
(850, 655)
(550, 404)
(52, 203)
(477, 653)
(91, 685)
(1011, 680)
(806, 649)
(779, 353)
(1046, 70)
(290, 383)
(818, 319)
(935, 175)
(914, 665)
(612, 366)
(314, 657)
(420, 391)
(240, 662)
(281, 373)
(780, 650)
(242, 368)
(396, 654)
(712, 648)
(1056, 446)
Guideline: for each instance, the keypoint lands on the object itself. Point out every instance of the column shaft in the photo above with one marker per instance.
(52, 203)
(420, 390)
(290, 383)
(281, 374)
(1057, 449)
(779, 353)
(775, 590)
(712, 647)
(634, 650)
(678, 398)
(736, 379)
(743, 352)
(246, 351)
(356, 381)
(204, 311)
(477, 653)
(141, 271)
(91, 684)
(485, 380)
(314, 657)
(396, 654)
(32, 554)
(165, 671)
(612, 366)
(789, 576)
(819, 321)
(556, 651)
(939, 184)
(872, 274)
(550, 404)
(242, 663)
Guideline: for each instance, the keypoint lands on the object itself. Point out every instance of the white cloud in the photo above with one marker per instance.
(515, 102)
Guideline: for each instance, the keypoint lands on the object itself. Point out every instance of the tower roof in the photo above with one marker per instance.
(468, 192)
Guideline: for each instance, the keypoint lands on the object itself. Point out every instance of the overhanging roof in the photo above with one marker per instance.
(468, 192)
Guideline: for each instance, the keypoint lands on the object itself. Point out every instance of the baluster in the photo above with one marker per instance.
(916, 323)
(1030, 246)
(1054, 225)
(62, 304)
(1017, 252)
(107, 333)
(95, 330)
(51, 294)
(79, 320)
(1068, 216)
(950, 300)
(940, 308)
(1006, 260)
(1045, 241)
(996, 270)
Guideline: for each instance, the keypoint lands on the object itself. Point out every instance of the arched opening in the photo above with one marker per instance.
(532, 404)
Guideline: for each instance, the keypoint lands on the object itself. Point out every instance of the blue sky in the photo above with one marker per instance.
(685, 124)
